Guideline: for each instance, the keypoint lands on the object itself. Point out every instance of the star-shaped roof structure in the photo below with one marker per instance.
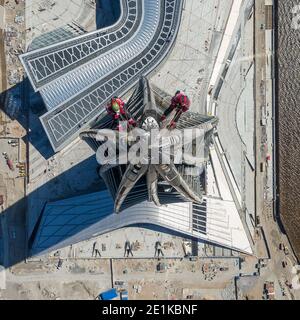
(141, 178)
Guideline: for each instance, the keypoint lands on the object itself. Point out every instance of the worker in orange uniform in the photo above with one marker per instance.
(116, 108)
(181, 103)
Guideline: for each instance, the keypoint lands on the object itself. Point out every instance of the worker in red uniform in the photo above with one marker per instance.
(116, 108)
(181, 103)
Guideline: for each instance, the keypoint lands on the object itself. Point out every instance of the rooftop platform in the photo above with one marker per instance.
(81, 218)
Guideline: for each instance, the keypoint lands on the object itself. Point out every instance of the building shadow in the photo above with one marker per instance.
(21, 220)
(20, 103)
(107, 12)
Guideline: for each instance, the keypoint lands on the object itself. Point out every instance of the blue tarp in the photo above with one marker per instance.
(108, 295)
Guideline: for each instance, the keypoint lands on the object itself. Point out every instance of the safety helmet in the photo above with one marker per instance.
(115, 106)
